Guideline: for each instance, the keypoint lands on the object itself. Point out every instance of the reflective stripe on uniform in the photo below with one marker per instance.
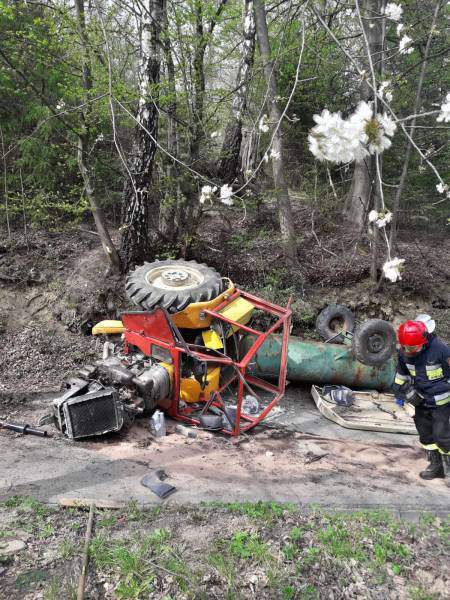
(434, 371)
(430, 446)
(443, 451)
(400, 379)
(411, 369)
(441, 399)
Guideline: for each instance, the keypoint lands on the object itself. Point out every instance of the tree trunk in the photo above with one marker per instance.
(170, 210)
(229, 157)
(401, 185)
(135, 243)
(281, 190)
(197, 132)
(83, 143)
(360, 197)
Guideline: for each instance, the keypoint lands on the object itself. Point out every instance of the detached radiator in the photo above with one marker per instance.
(95, 413)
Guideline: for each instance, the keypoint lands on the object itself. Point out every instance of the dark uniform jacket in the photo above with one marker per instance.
(428, 371)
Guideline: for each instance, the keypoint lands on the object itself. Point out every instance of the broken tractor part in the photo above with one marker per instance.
(93, 413)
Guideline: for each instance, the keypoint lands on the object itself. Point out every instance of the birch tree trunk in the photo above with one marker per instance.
(404, 174)
(360, 197)
(135, 243)
(83, 143)
(281, 190)
(229, 157)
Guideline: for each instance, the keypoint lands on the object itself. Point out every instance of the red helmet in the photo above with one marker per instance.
(412, 333)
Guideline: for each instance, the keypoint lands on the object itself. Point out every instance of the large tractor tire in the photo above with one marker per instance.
(333, 319)
(172, 284)
(373, 342)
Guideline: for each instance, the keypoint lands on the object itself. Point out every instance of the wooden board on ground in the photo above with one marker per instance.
(371, 411)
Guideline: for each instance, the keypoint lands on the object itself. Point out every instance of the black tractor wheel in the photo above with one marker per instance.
(172, 284)
(333, 319)
(373, 342)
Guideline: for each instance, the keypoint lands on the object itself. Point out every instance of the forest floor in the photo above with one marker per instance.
(54, 287)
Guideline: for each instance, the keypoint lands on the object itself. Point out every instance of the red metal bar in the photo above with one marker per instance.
(264, 385)
(236, 323)
(264, 304)
(227, 301)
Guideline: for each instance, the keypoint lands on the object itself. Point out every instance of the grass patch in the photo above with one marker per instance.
(25, 504)
(259, 511)
(248, 545)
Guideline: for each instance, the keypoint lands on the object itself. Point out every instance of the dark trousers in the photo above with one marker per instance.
(433, 426)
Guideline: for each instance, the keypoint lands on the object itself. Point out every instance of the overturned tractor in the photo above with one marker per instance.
(209, 354)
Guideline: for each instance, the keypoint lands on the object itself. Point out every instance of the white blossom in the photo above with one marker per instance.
(400, 28)
(341, 140)
(405, 45)
(373, 216)
(384, 220)
(226, 191)
(100, 137)
(391, 269)
(444, 115)
(214, 134)
(382, 87)
(263, 124)
(442, 188)
(381, 219)
(393, 11)
(274, 154)
(206, 193)
(389, 96)
(60, 104)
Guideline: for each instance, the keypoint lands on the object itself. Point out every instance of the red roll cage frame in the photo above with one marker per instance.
(148, 329)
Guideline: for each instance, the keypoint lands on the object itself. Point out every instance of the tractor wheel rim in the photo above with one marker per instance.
(180, 278)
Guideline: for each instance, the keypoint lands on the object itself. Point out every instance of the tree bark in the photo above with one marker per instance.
(170, 215)
(404, 174)
(281, 190)
(229, 156)
(83, 143)
(135, 243)
(360, 197)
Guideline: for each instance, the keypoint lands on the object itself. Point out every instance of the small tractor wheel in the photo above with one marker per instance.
(373, 342)
(333, 319)
(172, 284)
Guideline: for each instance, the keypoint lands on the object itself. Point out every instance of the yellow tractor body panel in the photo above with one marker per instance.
(108, 327)
(239, 310)
(212, 339)
(190, 388)
(192, 316)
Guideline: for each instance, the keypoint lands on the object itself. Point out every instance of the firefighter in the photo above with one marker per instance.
(423, 379)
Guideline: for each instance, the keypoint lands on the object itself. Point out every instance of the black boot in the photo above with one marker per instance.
(446, 465)
(435, 468)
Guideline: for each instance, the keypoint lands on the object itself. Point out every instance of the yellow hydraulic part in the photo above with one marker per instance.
(108, 327)
(239, 310)
(190, 388)
(192, 317)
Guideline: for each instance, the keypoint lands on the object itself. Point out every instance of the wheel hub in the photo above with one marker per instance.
(175, 277)
(376, 343)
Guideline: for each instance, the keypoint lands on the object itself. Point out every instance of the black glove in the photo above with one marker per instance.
(411, 396)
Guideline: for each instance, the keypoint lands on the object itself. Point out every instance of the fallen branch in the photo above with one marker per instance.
(87, 540)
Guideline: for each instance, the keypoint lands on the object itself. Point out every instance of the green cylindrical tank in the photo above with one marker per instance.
(318, 362)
